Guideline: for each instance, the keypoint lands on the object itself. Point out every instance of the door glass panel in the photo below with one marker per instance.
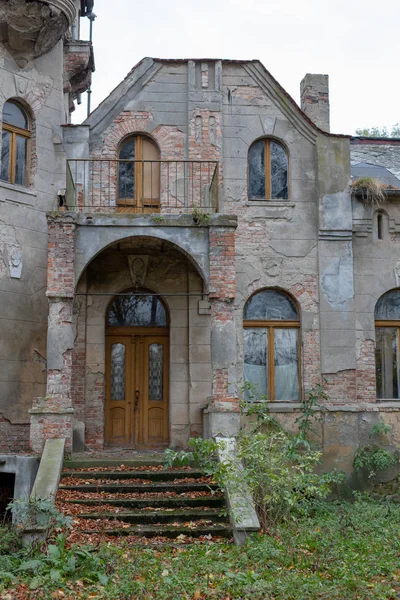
(286, 368)
(141, 311)
(255, 362)
(279, 171)
(20, 160)
(156, 364)
(270, 305)
(118, 372)
(5, 156)
(257, 171)
(387, 362)
(126, 173)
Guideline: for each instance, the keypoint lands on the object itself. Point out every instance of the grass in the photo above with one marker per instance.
(372, 190)
(344, 551)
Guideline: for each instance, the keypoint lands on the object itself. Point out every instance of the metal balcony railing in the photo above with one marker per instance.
(142, 186)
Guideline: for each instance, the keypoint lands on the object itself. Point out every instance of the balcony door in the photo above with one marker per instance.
(138, 176)
(136, 406)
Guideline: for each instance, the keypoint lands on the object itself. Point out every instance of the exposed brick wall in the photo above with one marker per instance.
(61, 255)
(341, 387)
(222, 262)
(366, 375)
(13, 438)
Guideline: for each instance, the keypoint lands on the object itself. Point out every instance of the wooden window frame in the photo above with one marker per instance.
(14, 132)
(270, 326)
(267, 173)
(392, 325)
(137, 201)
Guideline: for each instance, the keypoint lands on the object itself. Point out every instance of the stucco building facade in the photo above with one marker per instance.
(198, 231)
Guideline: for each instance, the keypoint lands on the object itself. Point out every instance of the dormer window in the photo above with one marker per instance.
(267, 171)
(15, 144)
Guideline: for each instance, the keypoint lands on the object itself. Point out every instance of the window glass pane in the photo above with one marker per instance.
(20, 160)
(14, 115)
(126, 170)
(256, 362)
(156, 363)
(279, 171)
(257, 171)
(131, 311)
(118, 372)
(270, 305)
(5, 156)
(286, 368)
(387, 362)
(388, 306)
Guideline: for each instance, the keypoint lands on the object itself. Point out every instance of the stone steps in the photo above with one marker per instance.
(134, 503)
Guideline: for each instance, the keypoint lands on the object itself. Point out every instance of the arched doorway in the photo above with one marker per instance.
(137, 367)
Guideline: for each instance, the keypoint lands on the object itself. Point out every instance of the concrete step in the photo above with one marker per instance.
(179, 488)
(150, 475)
(158, 516)
(169, 531)
(157, 502)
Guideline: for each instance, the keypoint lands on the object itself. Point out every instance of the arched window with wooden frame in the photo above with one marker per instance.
(267, 170)
(15, 149)
(271, 346)
(138, 175)
(387, 345)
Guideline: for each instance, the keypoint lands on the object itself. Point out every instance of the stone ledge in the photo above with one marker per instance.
(51, 411)
(96, 219)
(18, 188)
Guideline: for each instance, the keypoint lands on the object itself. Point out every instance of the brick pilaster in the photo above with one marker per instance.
(51, 417)
(223, 327)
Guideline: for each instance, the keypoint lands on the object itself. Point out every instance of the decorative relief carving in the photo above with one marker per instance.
(138, 266)
(272, 266)
(15, 262)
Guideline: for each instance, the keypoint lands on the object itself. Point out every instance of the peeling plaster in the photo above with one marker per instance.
(337, 279)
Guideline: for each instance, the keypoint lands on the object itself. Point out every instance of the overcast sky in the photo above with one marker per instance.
(356, 42)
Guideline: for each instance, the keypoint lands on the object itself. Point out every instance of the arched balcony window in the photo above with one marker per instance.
(138, 175)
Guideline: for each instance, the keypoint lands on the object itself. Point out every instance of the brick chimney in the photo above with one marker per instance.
(314, 99)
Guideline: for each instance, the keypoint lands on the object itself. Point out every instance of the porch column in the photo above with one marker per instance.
(222, 415)
(51, 417)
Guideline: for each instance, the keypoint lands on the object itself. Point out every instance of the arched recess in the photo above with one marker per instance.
(387, 345)
(194, 244)
(271, 331)
(137, 370)
(167, 272)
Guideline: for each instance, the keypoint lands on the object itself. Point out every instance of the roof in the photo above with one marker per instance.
(258, 70)
(364, 169)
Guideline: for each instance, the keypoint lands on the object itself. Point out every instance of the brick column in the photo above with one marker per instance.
(51, 417)
(223, 411)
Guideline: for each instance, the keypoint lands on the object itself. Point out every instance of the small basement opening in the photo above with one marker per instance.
(7, 483)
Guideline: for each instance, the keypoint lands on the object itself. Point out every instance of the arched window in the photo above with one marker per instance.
(267, 171)
(271, 346)
(15, 144)
(138, 175)
(387, 340)
(137, 311)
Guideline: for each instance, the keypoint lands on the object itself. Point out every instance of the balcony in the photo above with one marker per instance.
(142, 186)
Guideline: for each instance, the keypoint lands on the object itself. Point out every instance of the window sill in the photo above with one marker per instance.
(17, 188)
(270, 203)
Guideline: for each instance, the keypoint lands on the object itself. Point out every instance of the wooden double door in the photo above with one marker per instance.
(136, 405)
